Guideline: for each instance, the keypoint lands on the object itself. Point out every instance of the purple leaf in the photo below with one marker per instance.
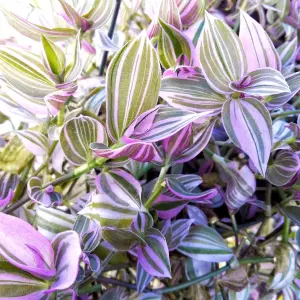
(142, 222)
(199, 218)
(180, 228)
(142, 278)
(140, 151)
(8, 183)
(25, 248)
(67, 251)
(190, 11)
(154, 257)
(47, 197)
(196, 268)
(258, 47)
(254, 136)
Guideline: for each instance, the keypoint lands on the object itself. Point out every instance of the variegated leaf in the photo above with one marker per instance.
(150, 296)
(34, 31)
(103, 42)
(292, 212)
(201, 139)
(254, 136)
(282, 135)
(191, 92)
(221, 55)
(154, 256)
(131, 95)
(190, 11)
(142, 278)
(180, 228)
(46, 197)
(14, 157)
(262, 82)
(17, 284)
(205, 243)
(278, 100)
(196, 268)
(172, 44)
(25, 72)
(287, 51)
(53, 57)
(118, 201)
(197, 215)
(168, 12)
(8, 183)
(139, 151)
(35, 142)
(142, 222)
(76, 137)
(67, 253)
(160, 123)
(50, 221)
(258, 47)
(25, 248)
(283, 168)
(121, 239)
(99, 13)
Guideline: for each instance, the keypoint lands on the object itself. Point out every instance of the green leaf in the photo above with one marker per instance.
(17, 283)
(76, 137)
(53, 56)
(206, 244)
(121, 239)
(171, 44)
(133, 83)
(221, 55)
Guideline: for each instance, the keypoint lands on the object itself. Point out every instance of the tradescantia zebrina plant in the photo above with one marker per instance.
(149, 149)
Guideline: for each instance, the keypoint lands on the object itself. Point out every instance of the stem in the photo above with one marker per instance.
(106, 261)
(286, 113)
(61, 116)
(159, 186)
(22, 183)
(268, 212)
(110, 35)
(16, 205)
(77, 172)
(286, 230)
(235, 228)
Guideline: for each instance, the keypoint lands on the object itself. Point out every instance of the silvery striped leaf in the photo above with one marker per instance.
(285, 267)
(199, 218)
(121, 239)
(154, 256)
(278, 100)
(34, 31)
(160, 123)
(282, 134)
(99, 13)
(8, 183)
(201, 139)
(258, 47)
(241, 184)
(118, 201)
(165, 228)
(91, 239)
(205, 243)
(67, 254)
(143, 278)
(18, 239)
(82, 224)
(46, 197)
(104, 43)
(53, 57)
(142, 222)
(180, 228)
(172, 44)
(35, 142)
(192, 93)
(140, 151)
(167, 11)
(221, 55)
(73, 17)
(287, 51)
(17, 284)
(254, 136)
(50, 221)
(168, 207)
(283, 168)
(76, 137)
(25, 72)
(94, 103)
(95, 263)
(137, 92)
(196, 268)
(263, 82)
(190, 11)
